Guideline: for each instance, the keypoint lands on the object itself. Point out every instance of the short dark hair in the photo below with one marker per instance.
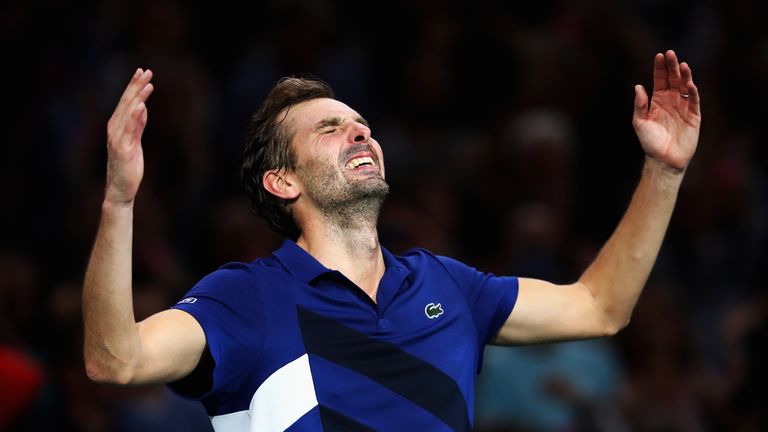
(267, 146)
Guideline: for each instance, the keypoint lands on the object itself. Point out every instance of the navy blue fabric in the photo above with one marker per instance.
(250, 313)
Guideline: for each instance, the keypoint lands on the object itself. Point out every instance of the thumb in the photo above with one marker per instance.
(641, 101)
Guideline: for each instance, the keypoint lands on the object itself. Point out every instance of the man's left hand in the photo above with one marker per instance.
(669, 129)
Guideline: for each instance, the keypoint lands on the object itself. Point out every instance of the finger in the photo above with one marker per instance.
(140, 83)
(141, 122)
(694, 99)
(135, 76)
(117, 115)
(688, 87)
(686, 74)
(660, 81)
(132, 89)
(641, 102)
(133, 126)
(123, 116)
(673, 70)
(144, 93)
(132, 121)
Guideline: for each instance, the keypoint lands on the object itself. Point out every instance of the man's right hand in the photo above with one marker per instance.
(125, 159)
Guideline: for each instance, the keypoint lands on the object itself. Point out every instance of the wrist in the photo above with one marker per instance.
(654, 165)
(110, 204)
(662, 174)
(115, 197)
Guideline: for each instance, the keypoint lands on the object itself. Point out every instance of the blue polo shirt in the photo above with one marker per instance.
(297, 346)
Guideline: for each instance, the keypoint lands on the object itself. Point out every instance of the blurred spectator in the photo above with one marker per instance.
(567, 386)
(20, 379)
(663, 388)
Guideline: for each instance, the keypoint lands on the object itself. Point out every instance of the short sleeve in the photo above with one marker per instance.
(227, 306)
(491, 298)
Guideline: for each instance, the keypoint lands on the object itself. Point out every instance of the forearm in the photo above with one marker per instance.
(621, 269)
(112, 343)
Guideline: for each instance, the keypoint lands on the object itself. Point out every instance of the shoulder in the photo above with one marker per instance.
(425, 263)
(428, 265)
(418, 257)
(240, 277)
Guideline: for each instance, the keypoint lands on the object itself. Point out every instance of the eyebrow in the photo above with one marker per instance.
(336, 121)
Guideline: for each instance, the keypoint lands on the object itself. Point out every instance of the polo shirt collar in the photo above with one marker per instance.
(299, 262)
(305, 267)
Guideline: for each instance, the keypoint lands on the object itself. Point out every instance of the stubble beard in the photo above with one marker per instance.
(346, 204)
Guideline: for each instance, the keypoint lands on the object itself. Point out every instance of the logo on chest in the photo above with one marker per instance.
(433, 310)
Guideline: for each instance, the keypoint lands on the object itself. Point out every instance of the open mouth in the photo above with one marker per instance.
(358, 162)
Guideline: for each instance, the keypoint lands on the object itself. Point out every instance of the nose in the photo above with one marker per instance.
(359, 133)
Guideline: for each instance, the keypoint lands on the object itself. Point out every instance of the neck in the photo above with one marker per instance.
(348, 243)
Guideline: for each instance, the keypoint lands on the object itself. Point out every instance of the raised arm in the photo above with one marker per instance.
(166, 346)
(601, 302)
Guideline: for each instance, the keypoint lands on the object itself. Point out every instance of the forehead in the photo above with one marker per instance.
(306, 114)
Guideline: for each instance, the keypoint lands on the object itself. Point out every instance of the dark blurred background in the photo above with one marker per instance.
(507, 132)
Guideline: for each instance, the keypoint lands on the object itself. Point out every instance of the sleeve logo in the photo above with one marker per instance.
(433, 310)
(187, 300)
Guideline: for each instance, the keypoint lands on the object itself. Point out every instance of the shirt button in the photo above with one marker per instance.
(384, 324)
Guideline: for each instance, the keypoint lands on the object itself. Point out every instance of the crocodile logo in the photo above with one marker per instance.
(433, 310)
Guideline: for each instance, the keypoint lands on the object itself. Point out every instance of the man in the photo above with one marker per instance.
(332, 332)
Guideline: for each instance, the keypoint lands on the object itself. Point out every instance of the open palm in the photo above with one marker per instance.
(669, 129)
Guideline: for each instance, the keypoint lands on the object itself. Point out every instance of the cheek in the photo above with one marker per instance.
(315, 154)
(377, 149)
(327, 148)
(379, 154)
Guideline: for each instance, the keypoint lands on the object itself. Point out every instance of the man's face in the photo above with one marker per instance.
(339, 164)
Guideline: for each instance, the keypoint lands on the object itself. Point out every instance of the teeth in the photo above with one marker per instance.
(356, 162)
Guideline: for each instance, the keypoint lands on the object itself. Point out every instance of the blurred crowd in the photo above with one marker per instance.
(508, 145)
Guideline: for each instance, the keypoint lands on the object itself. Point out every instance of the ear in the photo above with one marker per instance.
(281, 184)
